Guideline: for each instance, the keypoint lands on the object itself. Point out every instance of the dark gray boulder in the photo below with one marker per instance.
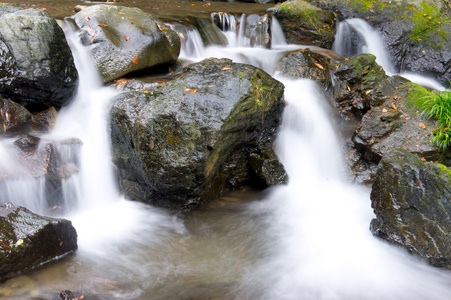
(36, 64)
(183, 142)
(411, 200)
(124, 39)
(28, 240)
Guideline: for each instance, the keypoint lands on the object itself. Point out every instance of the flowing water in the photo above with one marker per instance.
(308, 239)
(357, 36)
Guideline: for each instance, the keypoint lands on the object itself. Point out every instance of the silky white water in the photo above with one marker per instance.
(357, 36)
(308, 239)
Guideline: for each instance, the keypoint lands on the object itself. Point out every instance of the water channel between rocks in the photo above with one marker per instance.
(308, 239)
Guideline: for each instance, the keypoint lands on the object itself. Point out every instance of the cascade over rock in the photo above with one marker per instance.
(123, 39)
(209, 129)
(416, 33)
(36, 64)
(305, 24)
(28, 240)
(411, 200)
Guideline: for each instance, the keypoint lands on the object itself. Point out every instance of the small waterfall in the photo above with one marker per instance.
(319, 243)
(277, 36)
(357, 36)
(191, 41)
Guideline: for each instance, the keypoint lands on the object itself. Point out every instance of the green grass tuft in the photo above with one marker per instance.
(438, 106)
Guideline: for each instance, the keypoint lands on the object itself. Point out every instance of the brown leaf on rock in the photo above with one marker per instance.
(102, 25)
(394, 106)
(319, 66)
(127, 38)
(422, 125)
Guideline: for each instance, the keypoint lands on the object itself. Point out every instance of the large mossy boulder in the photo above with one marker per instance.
(211, 128)
(36, 64)
(305, 24)
(396, 124)
(28, 240)
(412, 202)
(124, 39)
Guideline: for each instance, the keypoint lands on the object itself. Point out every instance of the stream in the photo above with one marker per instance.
(308, 239)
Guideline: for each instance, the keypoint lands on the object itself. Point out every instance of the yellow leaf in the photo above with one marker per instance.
(193, 91)
(89, 28)
(19, 242)
(423, 159)
(384, 110)
(145, 91)
(319, 66)
(187, 90)
(135, 60)
(422, 125)
(102, 25)
(225, 68)
(394, 106)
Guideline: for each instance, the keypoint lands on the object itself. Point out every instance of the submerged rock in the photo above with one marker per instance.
(28, 240)
(36, 64)
(305, 24)
(124, 39)
(411, 200)
(183, 142)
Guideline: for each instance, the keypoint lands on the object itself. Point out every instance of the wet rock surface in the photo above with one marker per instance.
(305, 24)
(36, 64)
(183, 142)
(14, 118)
(411, 200)
(122, 39)
(28, 240)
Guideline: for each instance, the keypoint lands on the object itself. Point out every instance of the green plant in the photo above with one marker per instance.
(438, 106)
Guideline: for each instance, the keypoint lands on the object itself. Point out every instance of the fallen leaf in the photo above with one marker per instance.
(225, 68)
(193, 91)
(102, 25)
(367, 92)
(161, 28)
(131, 18)
(423, 159)
(316, 58)
(380, 68)
(135, 60)
(318, 65)
(394, 106)
(145, 91)
(347, 86)
(4, 245)
(151, 145)
(4, 127)
(160, 85)
(293, 53)
(384, 110)
(126, 37)
(187, 90)
(120, 83)
(87, 19)
(418, 182)
(206, 4)
(61, 243)
(422, 125)
(19, 242)
(91, 40)
(89, 28)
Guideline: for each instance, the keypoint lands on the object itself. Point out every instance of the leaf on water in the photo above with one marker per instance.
(394, 106)
(135, 60)
(225, 68)
(318, 65)
(422, 125)
(126, 37)
(102, 25)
